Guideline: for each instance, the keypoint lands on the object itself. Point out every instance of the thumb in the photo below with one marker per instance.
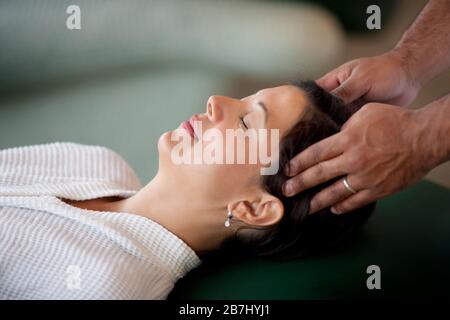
(328, 82)
(349, 90)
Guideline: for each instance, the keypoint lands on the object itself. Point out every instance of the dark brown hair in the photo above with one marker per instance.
(298, 234)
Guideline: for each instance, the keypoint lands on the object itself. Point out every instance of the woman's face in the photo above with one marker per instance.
(194, 156)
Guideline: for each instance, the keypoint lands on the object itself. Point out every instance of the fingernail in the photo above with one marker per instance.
(334, 210)
(287, 188)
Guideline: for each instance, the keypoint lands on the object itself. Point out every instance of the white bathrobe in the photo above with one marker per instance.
(52, 250)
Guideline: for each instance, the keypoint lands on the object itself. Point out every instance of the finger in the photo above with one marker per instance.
(356, 201)
(321, 172)
(323, 150)
(350, 90)
(331, 195)
(329, 81)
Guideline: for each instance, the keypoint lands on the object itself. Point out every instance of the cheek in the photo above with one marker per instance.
(217, 183)
(214, 181)
(226, 180)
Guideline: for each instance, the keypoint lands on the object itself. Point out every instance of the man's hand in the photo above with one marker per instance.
(381, 149)
(385, 78)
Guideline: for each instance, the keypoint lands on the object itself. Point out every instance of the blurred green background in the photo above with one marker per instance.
(138, 68)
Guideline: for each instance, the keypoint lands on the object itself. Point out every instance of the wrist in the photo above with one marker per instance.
(406, 64)
(432, 124)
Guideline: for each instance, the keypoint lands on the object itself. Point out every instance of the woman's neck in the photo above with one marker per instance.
(197, 222)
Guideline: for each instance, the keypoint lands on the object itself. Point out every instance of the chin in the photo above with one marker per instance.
(164, 149)
(164, 143)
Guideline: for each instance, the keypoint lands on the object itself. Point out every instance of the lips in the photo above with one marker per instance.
(187, 125)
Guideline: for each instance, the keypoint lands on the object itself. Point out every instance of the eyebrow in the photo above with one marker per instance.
(264, 108)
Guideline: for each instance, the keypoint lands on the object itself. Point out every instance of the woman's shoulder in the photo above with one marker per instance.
(51, 155)
(55, 146)
(63, 163)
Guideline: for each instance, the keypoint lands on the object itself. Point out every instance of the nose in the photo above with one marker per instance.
(219, 107)
(214, 108)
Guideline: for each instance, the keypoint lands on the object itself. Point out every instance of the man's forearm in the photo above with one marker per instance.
(434, 136)
(425, 46)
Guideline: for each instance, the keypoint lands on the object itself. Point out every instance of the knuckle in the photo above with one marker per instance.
(297, 184)
(353, 162)
(320, 171)
(347, 139)
(359, 159)
(315, 153)
(294, 165)
(365, 160)
(335, 193)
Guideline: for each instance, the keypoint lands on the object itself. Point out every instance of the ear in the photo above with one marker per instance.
(262, 209)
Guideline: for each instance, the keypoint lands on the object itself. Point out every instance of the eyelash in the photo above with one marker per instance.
(243, 123)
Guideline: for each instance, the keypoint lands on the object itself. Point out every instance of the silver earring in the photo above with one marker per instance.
(229, 217)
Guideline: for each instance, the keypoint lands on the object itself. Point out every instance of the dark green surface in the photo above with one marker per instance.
(408, 237)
